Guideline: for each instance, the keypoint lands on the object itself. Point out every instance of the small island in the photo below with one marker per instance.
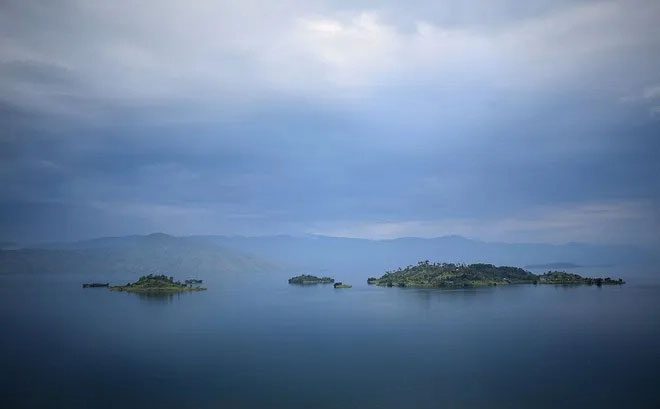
(95, 285)
(339, 284)
(157, 284)
(306, 279)
(562, 277)
(449, 275)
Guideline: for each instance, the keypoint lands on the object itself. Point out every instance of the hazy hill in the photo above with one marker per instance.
(554, 266)
(155, 253)
(8, 245)
(322, 253)
(158, 253)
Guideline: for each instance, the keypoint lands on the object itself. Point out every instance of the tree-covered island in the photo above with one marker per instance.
(562, 277)
(158, 284)
(306, 279)
(449, 275)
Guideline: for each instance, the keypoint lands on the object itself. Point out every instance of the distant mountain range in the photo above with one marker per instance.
(319, 254)
(154, 253)
(560, 265)
(7, 245)
(160, 253)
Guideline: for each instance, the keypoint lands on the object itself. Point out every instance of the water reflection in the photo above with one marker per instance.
(163, 298)
(268, 344)
(426, 296)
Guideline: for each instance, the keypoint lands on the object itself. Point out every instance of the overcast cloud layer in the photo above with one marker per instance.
(498, 120)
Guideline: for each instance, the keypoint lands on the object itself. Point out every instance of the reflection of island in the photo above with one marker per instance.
(154, 284)
(158, 298)
(306, 279)
(448, 275)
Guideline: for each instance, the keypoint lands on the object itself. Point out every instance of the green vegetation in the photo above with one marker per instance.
(562, 277)
(448, 275)
(306, 279)
(157, 284)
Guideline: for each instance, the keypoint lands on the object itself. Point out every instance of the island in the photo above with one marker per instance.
(306, 279)
(95, 285)
(157, 284)
(339, 284)
(449, 275)
(562, 277)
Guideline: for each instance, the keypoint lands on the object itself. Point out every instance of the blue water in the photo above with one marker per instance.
(261, 343)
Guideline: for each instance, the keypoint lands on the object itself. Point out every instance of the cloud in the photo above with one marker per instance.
(607, 222)
(288, 116)
(655, 111)
(648, 97)
(223, 52)
(651, 92)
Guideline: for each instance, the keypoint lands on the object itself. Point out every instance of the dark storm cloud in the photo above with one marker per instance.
(493, 119)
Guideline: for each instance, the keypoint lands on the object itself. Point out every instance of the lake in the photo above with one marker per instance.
(262, 343)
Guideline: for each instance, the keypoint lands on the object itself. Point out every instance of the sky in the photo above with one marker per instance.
(498, 120)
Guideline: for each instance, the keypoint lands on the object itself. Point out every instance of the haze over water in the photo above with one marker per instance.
(260, 342)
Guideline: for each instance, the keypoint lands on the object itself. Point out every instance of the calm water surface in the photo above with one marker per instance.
(266, 344)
